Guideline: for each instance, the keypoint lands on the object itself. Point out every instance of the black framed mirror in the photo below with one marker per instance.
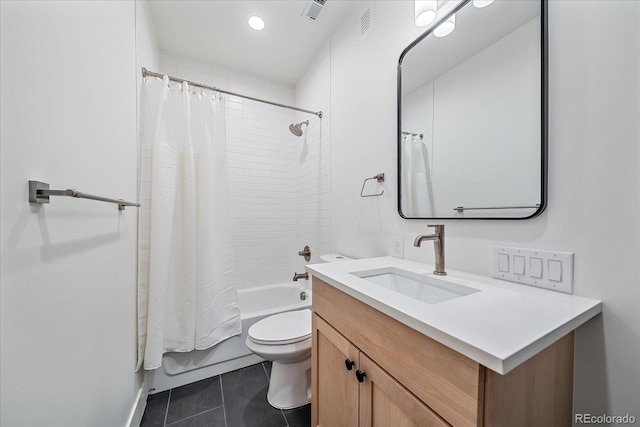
(472, 115)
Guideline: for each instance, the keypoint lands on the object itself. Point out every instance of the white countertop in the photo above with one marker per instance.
(500, 327)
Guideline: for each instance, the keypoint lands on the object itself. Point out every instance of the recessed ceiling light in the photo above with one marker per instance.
(426, 12)
(482, 3)
(256, 23)
(446, 27)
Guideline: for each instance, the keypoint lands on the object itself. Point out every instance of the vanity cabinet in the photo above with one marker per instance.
(354, 391)
(369, 369)
(336, 390)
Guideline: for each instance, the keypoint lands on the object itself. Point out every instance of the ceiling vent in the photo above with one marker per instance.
(313, 8)
(366, 21)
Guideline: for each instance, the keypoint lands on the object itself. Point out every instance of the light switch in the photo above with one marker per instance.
(545, 269)
(535, 267)
(503, 263)
(555, 270)
(518, 264)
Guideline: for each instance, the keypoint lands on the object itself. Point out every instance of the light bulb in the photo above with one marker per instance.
(446, 27)
(256, 23)
(482, 3)
(425, 12)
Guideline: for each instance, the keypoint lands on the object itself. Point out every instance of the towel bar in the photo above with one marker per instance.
(39, 193)
(461, 209)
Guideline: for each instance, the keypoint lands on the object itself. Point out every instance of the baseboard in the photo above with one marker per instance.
(135, 418)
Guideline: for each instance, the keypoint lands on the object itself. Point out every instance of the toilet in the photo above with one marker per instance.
(285, 339)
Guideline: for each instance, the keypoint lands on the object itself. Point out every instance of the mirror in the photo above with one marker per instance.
(472, 116)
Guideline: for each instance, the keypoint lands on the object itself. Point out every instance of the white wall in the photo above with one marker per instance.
(313, 178)
(68, 316)
(147, 51)
(594, 190)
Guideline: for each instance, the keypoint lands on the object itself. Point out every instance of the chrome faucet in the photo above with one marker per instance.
(438, 246)
(297, 276)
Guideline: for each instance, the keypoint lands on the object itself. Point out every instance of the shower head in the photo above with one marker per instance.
(296, 129)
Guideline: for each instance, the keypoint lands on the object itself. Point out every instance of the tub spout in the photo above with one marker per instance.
(297, 276)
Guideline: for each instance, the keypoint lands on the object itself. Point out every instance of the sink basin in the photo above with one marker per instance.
(422, 287)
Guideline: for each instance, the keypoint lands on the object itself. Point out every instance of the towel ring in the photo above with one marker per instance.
(379, 178)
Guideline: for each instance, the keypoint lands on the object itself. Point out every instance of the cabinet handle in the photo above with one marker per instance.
(360, 375)
(349, 364)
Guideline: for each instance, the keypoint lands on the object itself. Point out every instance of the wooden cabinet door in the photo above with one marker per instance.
(384, 402)
(334, 387)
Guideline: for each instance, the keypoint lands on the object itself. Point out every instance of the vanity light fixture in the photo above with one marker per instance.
(446, 27)
(256, 23)
(425, 12)
(482, 3)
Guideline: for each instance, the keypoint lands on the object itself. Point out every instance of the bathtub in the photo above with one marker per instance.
(255, 303)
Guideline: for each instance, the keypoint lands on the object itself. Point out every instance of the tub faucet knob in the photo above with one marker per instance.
(306, 253)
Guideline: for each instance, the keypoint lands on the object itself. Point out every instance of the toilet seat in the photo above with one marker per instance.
(282, 328)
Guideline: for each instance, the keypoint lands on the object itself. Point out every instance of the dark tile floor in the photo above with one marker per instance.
(234, 399)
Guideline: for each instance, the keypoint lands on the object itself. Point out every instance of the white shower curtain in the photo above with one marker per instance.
(186, 294)
(417, 192)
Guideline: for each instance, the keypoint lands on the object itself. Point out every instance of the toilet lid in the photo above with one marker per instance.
(282, 328)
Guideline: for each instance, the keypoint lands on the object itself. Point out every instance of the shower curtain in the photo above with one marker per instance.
(186, 294)
(417, 191)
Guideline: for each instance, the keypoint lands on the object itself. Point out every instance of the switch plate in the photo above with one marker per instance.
(397, 247)
(544, 269)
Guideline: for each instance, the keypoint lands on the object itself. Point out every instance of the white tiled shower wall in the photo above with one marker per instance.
(264, 162)
(313, 178)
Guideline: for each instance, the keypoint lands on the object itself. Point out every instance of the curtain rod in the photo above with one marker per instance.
(147, 73)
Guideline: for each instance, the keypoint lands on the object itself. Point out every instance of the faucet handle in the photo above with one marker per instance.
(306, 253)
(439, 229)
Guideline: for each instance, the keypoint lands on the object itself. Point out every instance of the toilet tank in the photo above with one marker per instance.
(334, 258)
